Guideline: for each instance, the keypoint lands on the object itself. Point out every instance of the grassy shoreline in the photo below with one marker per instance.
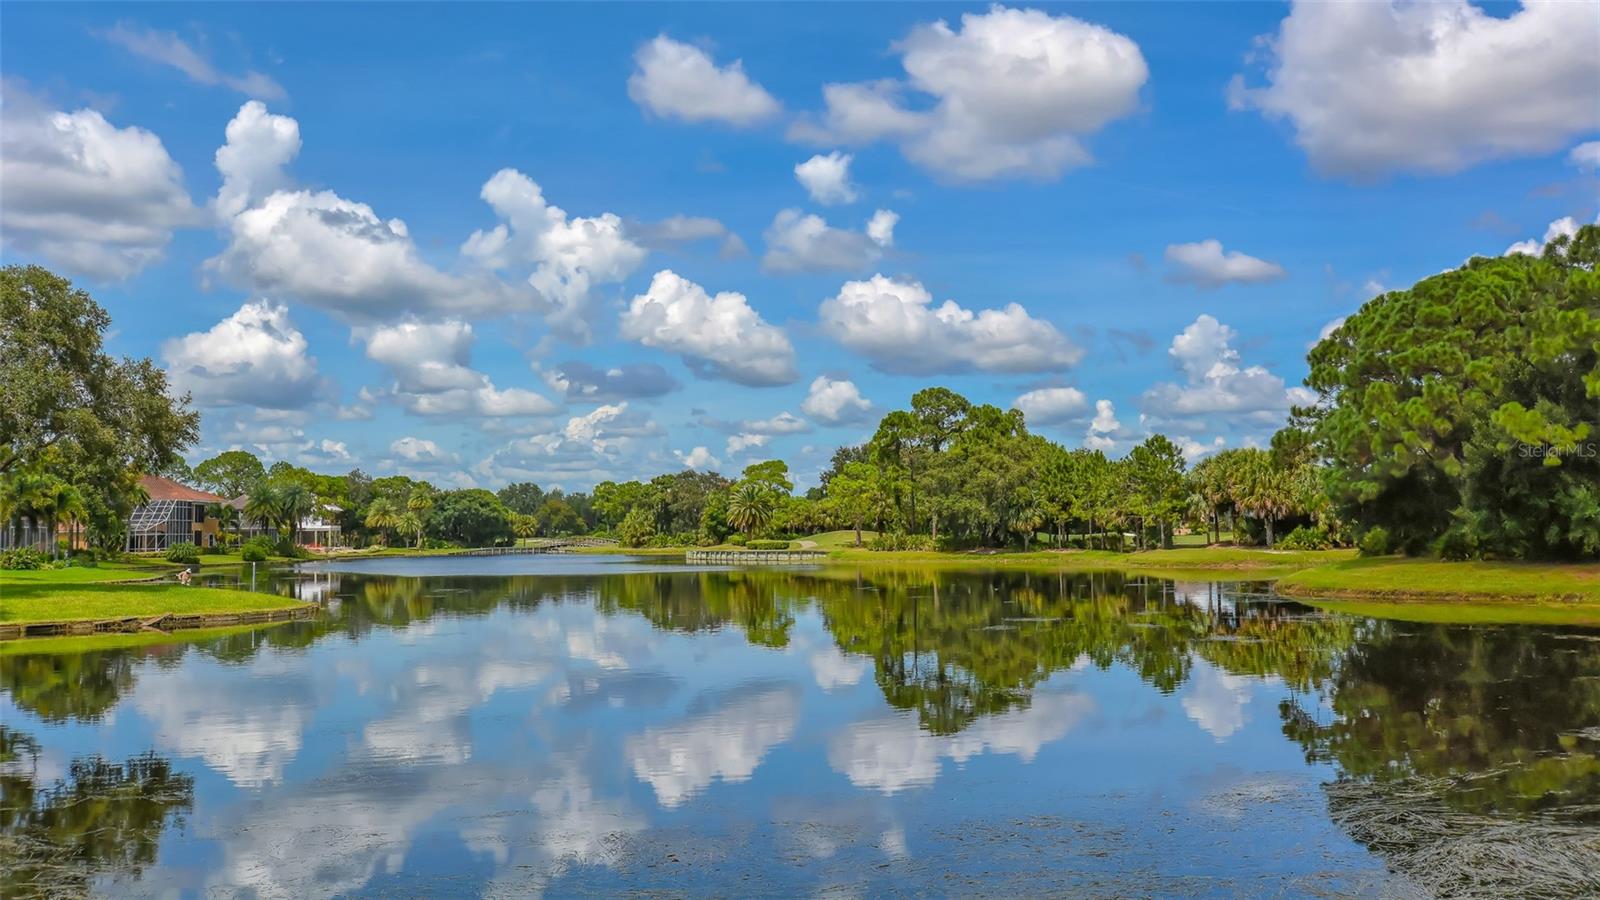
(1403, 580)
(34, 603)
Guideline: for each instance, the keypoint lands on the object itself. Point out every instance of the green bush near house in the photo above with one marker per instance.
(185, 553)
(768, 545)
(257, 549)
(23, 558)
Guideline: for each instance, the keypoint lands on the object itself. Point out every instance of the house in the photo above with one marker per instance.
(174, 514)
(320, 529)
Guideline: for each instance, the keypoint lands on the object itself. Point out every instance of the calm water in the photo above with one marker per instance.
(582, 725)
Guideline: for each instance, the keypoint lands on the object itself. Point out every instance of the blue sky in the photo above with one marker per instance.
(1073, 160)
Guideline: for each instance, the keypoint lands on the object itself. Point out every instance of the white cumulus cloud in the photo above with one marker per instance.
(894, 324)
(1215, 382)
(1049, 406)
(319, 247)
(568, 256)
(718, 337)
(675, 80)
(1375, 87)
(1010, 93)
(1205, 264)
(698, 458)
(255, 357)
(87, 196)
(827, 178)
(420, 451)
(805, 242)
(835, 402)
(430, 362)
(1566, 226)
(1585, 156)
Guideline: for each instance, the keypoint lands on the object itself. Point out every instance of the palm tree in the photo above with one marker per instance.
(524, 527)
(62, 501)
(411, 523)
(1268, 491)
(295, 502)
(227, 516)
(264, 506)
(24, 493)
(383, 515)
(750, 506)
(419, 504)
(1026, 518)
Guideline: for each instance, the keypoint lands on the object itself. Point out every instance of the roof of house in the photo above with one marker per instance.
(166, 489)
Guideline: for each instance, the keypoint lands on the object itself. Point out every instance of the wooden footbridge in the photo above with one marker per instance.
(754, 557)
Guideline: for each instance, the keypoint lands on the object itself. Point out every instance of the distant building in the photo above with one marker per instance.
(174, 514)
(320, 529)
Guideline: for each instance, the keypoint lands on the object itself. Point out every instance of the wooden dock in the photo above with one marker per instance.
(163, 623)
(754, 557)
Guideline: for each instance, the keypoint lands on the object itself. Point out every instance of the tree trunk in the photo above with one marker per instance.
(858, 532)
(1269, 532)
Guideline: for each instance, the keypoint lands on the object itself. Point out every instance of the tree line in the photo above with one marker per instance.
(1458, 417)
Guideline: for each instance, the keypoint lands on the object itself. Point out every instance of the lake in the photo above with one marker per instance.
(605, 725)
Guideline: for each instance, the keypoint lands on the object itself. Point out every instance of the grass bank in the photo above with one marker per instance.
(87, 643)
(27, 603)
(97, 573)
(1218, 562)
(1398, 579)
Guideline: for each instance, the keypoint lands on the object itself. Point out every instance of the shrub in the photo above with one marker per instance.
(1458, 543)
(901, 542)
(1375, 542)
(257, 549)
(23, 558)
(637, 529)
(738, 540)
(185, 552)
(213, 550)
(1306, 537)
(768, 545)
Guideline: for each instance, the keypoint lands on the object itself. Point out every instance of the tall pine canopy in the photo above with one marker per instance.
(1463, 415)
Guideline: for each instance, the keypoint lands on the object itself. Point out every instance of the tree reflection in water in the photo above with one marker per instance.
(102, 819)
(1453, 746)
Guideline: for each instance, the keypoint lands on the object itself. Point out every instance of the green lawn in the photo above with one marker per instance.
(1397, 578)
(100, 572)
(55, 602)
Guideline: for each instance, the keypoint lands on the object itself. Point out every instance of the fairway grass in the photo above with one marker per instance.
(1399, 578)
(26, 603)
